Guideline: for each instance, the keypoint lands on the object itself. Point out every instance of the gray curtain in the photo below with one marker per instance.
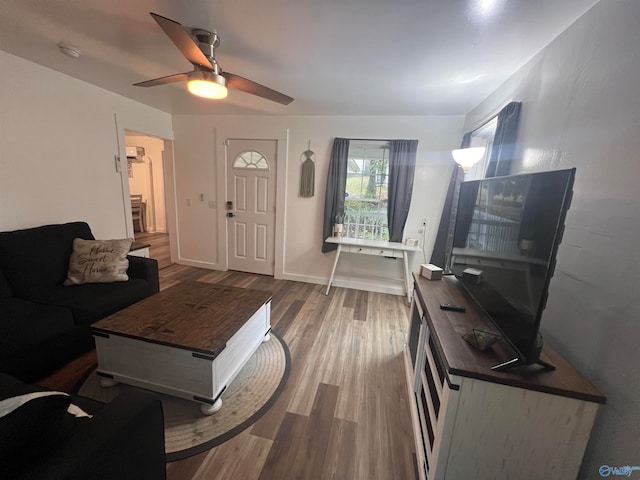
(444, 238)
(402, 165)
(336, 185)
(504, 141)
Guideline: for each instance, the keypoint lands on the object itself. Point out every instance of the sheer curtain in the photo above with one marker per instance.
(402, 165)
(336, 185)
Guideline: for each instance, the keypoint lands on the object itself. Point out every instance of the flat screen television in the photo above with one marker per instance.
(506, 237)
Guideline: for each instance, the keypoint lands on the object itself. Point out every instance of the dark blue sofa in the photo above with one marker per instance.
(44, 324)
(123, 440)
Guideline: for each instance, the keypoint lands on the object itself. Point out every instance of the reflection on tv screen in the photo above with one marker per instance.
(506, 234)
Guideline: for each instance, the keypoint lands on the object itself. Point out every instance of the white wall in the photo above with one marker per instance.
(58, 140)
(581, 108)
(199, 149)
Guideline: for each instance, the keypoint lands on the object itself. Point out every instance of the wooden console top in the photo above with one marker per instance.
(462, 359)
(191, 315)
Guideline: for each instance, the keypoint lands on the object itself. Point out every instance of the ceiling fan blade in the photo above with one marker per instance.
(249, 86)
(178, 77)
(182, 40)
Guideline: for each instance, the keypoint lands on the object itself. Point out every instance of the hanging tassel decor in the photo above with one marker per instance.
(308, 174)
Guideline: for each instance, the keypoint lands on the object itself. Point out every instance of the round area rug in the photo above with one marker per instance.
(254, 390)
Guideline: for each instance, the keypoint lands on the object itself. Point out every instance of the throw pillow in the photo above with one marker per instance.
(98, 261)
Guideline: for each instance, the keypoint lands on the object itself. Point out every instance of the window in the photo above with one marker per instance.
(251, 159)
(366, 197)
(482, 137)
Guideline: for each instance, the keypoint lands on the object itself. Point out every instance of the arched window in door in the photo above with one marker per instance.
(251, 159)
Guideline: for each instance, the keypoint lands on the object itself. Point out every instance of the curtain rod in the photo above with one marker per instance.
(490, 118)
(370, 139)
(484, 123)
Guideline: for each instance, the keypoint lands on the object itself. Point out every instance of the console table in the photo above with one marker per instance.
(374, 247)
(472, 422)
(140, 249)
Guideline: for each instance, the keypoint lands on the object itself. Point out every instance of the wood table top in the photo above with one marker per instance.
(191, 315)
(462, 359)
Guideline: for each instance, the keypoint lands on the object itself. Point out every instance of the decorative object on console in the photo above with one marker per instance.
(338, 227)
(481, 339)
(98, 261)
(430, 271)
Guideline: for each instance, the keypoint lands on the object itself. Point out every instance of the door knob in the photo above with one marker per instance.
(231, 214)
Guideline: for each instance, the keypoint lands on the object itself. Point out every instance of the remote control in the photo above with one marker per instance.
(452, 307)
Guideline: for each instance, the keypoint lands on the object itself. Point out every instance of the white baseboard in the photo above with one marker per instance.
(199, 264)
(390, 286)
(303, 278)
(370, 284)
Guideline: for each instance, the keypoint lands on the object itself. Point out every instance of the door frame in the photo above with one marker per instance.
(169, 193)
(281, 136)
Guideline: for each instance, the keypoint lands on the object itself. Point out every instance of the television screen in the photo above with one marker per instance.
(506, 236)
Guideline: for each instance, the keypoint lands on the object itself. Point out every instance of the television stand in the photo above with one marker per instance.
(470, 421)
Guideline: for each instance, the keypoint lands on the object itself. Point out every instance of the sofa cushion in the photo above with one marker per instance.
(93, 301)
(26, 324)
(98, 261)
(34, 362)
(38, 258)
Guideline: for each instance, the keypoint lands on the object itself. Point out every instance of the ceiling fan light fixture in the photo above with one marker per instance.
(207, 85)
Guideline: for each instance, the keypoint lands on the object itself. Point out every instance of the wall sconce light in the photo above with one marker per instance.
(468, 157)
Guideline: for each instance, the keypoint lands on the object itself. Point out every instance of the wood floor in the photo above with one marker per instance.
(343, 413)
(159, 247)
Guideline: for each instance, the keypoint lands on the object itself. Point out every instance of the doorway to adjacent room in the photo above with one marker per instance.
(146, 179)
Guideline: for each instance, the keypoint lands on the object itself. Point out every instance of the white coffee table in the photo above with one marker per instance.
(189, 340)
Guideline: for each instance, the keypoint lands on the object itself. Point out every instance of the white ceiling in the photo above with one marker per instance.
(335, 57)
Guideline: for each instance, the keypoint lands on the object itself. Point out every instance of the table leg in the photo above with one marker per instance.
(407, 275)
(211, 409)
(333, 271)
(107, 383)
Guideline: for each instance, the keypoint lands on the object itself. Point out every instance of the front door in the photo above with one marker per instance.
(251, 202)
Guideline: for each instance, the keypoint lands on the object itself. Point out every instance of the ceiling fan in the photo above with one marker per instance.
(207, 78)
